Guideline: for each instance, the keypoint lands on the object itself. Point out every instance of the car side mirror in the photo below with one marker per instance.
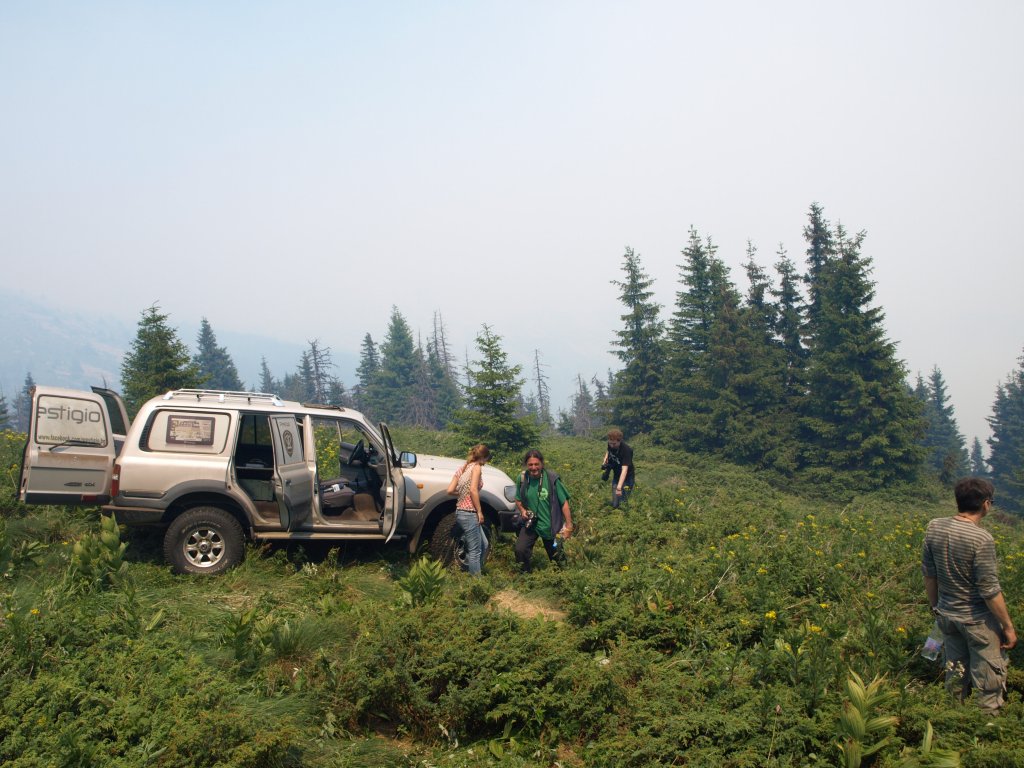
(407, 459)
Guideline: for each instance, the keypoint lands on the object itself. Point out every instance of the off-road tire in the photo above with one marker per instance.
(446, 545)
(204, 540)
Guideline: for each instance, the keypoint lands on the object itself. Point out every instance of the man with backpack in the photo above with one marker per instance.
(543, 504)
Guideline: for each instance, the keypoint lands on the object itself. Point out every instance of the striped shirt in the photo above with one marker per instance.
(962, 557)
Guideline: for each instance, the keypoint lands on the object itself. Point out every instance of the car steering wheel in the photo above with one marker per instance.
(358, 454)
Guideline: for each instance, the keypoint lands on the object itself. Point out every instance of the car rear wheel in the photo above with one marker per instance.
(204, 540)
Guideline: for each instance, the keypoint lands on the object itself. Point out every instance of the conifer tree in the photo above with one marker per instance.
(636, 389)
(422, 409)
(789, 322)
(215, 365)
(394, 385)
(978, 466)
(1006, 445)
(945, 448)
(443, 387)
(859, 418)
(490, 414)
(157, 362)
(542, 412)
(23, 405)
(366, 375)
(582, 410)
(5, 415)
(268, 384)
(705, 288)
(322, 381)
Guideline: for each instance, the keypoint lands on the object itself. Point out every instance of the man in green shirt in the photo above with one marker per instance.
(543, 504)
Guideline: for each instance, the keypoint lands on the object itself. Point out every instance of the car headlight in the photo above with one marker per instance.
(510, 493)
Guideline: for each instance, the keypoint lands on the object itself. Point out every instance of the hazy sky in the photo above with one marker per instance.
(296, 169)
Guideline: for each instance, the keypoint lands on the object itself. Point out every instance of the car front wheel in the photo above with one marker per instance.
(446, 543)
(204, 540)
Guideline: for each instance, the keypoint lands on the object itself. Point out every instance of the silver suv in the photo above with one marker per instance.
(216, 467)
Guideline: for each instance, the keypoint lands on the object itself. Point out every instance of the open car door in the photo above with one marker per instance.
(293, 484)
(394, 495)
(72, 442)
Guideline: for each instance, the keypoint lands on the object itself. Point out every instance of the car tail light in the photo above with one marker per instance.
(115, 481)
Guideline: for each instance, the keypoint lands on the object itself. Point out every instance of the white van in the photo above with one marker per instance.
(215, 467)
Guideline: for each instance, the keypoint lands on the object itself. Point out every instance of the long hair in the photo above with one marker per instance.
(533, 453)
(478, 453)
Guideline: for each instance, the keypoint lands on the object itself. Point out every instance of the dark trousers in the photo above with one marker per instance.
(524, 548)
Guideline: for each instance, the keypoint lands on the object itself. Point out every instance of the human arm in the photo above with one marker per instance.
(567, 528)
(474, 493)
(931, 588)
(997, 604)
(453, 486)
(622, 479)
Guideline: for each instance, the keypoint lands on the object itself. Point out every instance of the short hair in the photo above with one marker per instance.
(533, 453)
(972, 492)
(478, 453)
(615, 434)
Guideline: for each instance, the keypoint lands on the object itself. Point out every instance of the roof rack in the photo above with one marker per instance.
(222, 396)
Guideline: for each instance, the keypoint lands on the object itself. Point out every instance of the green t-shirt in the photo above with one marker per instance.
(538, 502)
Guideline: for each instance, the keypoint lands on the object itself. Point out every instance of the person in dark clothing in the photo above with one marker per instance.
(543, 504)
(618, 464)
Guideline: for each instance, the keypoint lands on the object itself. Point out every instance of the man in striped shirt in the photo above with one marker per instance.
(959, 563)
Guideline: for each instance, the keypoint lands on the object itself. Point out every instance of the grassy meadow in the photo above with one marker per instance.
(717, 621)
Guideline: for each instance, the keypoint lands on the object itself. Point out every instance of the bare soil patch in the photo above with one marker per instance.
(528, 608)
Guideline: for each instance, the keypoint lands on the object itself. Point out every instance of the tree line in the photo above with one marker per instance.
(795, 376)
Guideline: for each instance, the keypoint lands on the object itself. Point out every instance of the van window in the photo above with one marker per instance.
(187, 432)
(61, 420)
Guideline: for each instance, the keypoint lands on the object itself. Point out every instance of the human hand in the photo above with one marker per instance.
(1009, 638)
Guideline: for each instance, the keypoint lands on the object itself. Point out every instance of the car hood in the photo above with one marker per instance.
(442, 468)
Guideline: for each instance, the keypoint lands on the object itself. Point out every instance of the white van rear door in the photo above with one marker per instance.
(70, 448)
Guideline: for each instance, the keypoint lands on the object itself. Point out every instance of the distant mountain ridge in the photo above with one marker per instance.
(72, 349)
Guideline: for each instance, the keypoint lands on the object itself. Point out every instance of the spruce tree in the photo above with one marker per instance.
(490, 414)
(23, 405)
(542, 398)
(5, 415)
(268, 384)
(788, 328)
(322, 380)
(859, 418)
(366, 375)
(582, 410)
(445, 390)
(393, 389)
(946, 450)
(682, 419)
(978, 466)
(636, 389)
(422, 406)
(157, 361)
(216, 368)
(1006, 445)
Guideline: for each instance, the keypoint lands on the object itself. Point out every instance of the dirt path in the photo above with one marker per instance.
(510, 600)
